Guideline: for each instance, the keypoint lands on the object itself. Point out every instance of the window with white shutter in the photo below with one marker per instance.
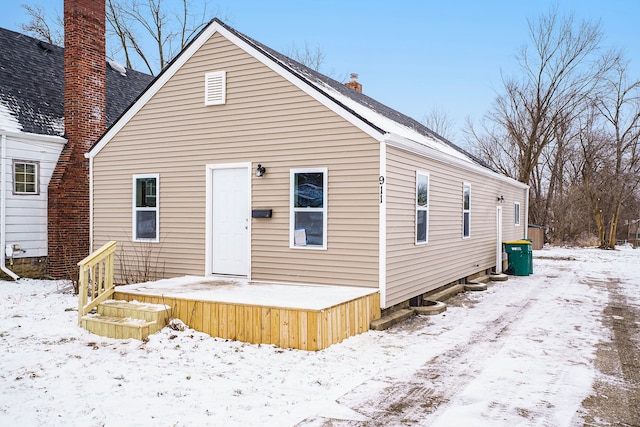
(215, 88)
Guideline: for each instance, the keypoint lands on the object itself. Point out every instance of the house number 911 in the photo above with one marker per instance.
(381, 180)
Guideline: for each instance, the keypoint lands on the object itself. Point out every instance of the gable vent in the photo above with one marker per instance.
(215, 88)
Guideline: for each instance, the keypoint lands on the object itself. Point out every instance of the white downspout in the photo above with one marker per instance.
(90, 204)
(526, 215)
(3, 212)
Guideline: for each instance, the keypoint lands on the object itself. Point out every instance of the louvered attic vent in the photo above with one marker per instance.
(215, 88)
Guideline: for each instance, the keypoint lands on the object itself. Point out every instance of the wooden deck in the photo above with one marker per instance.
(305, 317)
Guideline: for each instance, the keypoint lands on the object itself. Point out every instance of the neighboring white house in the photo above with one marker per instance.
(27, 164)
(32, 137)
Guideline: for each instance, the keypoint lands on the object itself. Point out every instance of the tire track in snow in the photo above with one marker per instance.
(616, 395)
(433, 386)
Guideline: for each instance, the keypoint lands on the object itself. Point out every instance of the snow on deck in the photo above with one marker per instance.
(236, 291)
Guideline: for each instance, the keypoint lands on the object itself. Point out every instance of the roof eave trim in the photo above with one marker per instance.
(36, 137)
(398, 141)
(159, 82)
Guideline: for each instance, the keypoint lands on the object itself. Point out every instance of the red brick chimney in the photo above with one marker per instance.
(84, 122)
(353, 84)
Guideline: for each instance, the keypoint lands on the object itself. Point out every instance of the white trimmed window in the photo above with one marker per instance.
(145, 207)
(422, 207)
(215, 88)
(516, 213)
(308, 215)
(466, 210)
(25, 177)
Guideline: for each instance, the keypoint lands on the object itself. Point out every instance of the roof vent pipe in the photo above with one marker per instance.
(116, 66)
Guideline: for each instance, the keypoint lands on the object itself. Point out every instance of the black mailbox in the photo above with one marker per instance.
(261, 213)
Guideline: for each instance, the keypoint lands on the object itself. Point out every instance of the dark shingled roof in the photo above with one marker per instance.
(32, 84)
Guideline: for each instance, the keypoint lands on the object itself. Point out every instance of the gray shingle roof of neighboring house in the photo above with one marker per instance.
(32, 84)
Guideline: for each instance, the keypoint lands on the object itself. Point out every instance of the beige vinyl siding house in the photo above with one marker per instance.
(448, 255)
(264, 120)
(330, 154)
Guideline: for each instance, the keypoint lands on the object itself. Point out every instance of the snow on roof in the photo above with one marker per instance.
(393, 127)
(7, 120)
(32, 86)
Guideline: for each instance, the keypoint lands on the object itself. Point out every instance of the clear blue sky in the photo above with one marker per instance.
(413, 55)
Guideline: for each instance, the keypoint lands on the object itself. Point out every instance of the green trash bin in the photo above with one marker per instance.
(520, 257)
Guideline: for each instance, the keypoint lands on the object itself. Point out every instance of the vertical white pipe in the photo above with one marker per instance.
(90, 204)
(526, 215)
(3, 210)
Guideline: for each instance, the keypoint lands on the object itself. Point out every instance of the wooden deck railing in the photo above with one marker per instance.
(95, 282)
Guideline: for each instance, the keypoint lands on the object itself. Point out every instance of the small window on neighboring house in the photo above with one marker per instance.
(145, 207)
(215, 90)
(466, 210)
(516, 213)
(422, 207)
(308, 215)
(25, 178)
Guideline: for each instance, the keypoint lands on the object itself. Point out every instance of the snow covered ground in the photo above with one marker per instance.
(521, 353)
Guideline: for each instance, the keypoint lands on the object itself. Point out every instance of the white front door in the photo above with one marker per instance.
(499, 239)
(229, 210)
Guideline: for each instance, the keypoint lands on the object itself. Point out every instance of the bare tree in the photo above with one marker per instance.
(619, 106)
(440, 122)
(492, 144)
(150, 31)
(118, 32)
(594, 167)
(534, 111)
(140, 33)
(610, 152)
(48, 30)
(308, 56)
(559, 75)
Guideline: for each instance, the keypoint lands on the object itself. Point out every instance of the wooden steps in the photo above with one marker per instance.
(122, 319)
